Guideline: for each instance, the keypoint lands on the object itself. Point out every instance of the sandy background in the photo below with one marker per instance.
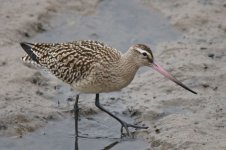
(177, 118)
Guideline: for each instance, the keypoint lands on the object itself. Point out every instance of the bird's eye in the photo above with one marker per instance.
(144, 54)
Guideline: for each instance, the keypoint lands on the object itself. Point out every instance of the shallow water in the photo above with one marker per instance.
(120, 24)
(116, 22)
(59, 136)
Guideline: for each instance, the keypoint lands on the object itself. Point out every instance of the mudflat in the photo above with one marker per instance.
(177, 118)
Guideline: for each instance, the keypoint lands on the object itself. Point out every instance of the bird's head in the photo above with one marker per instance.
(144, 57)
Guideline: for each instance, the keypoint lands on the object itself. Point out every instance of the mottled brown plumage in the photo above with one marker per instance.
(88, 66)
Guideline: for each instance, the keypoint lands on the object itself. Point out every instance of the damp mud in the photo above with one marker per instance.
(119, 24)
(187, 38)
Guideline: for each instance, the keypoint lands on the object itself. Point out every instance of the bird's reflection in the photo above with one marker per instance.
(107, 147)
(76, 143)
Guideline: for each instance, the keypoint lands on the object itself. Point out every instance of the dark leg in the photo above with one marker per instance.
(76, 110)
(124, 124)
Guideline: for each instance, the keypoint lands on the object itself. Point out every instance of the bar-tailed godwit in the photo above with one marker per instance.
(93, 67)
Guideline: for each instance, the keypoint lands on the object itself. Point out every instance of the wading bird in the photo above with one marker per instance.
(93, 67)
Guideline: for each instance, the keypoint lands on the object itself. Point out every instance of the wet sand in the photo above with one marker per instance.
(177, 118)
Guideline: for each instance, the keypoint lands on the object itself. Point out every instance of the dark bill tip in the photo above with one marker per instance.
(169, 76)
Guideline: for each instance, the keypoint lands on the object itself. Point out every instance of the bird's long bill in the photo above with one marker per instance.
(169, 76)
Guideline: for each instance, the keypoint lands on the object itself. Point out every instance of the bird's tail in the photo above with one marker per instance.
(31, 54)
(30, 59)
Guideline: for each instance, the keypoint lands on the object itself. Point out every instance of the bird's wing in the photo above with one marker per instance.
(71, 61)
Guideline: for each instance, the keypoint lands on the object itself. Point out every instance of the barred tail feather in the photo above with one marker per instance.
(28, 61)
(28, 49)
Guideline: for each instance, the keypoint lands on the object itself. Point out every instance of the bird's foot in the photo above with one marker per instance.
(126, 127)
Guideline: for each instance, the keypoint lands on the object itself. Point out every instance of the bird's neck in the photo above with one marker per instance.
(127, 66)
(127, 59)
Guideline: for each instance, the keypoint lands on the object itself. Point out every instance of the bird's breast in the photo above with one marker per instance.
(106, 79)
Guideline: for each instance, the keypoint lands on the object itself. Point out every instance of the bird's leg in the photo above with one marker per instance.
(76, 111)
(123, 123)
